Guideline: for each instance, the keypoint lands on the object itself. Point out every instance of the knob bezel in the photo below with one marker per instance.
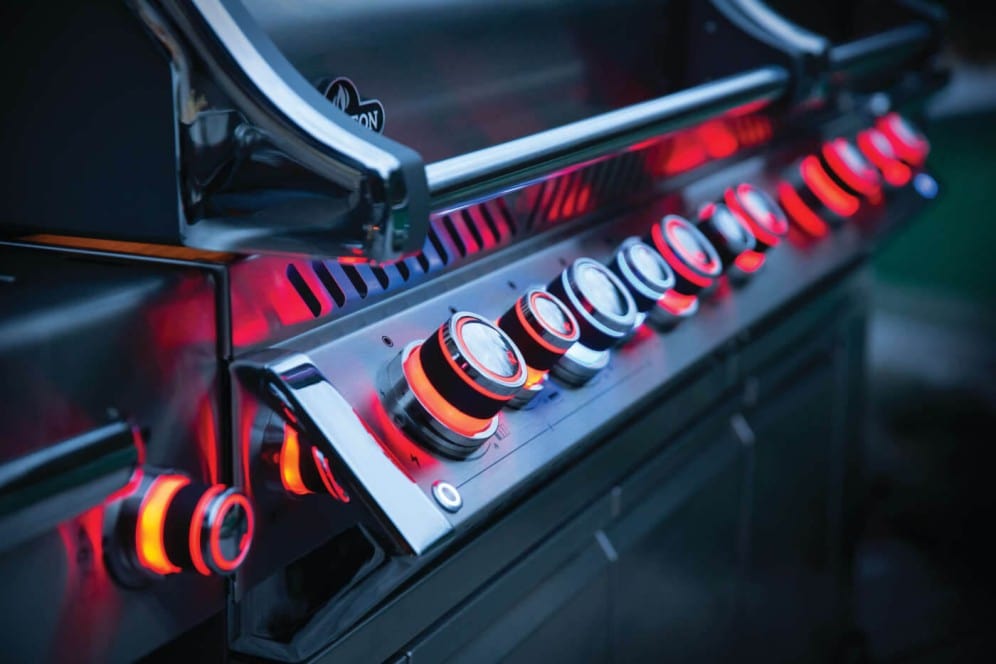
(600, 329)
(692, 274)
(850, 169)
(538, 339)
(645, 288)
(729, 239)
(768, 228)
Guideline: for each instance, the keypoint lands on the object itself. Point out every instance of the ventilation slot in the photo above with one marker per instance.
(381, 275)
(301, 286)
(403, 270)
(356, 279)
(473, 222)
(459, 240)
(438, 246)
(331, 285)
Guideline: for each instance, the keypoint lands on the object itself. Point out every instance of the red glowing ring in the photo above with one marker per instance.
(833, 197)
(458, 332)
(768, 228)
(877, 148)
(221, 563)
(864, 182)
(750, 261)
(328, 479)
(909, 145)
(536, 336)
(705, 261)
(197, 528)
(678, 304)
(149, 544)
(804, 217)
(572, 329)
(465, 377)
(434, 402)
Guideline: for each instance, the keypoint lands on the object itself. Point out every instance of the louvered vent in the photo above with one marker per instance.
(460, 235)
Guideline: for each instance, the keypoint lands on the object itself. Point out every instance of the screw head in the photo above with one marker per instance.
(447, 496)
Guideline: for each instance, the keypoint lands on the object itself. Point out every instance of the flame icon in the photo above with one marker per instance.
(341, 98)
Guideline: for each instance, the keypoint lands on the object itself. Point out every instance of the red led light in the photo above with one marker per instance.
(683, 152)
(151, 519)
(483, 369)
(196, 527)
(749, 261)
(328, 479)
(534, 377)
(800, 213)
(222, 563)
(677, 263)
(908, 145)
(719, 140)
(862, 179)
(290, 463)
(876, 147)
(677, 303)
(767, 228)
(836, 199)
(433, 401)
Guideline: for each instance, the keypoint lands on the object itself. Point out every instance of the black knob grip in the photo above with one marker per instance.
(542, 327)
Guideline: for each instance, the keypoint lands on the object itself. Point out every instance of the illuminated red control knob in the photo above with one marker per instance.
(644, 272)
(695, 263)
(446, 391)
(172, 524)
(850, 170)
(303, 469)
(759, 212)
(907, 142)
(543, 329)
(733, 240)
(877, 148)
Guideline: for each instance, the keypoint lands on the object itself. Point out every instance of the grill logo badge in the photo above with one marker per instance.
(343, 94)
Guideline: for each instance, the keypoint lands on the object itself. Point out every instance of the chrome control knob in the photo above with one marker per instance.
(696, 266)
(761, 214)
(605, 311)
(172, 524)
(733, 240)
(644, 272)
(877, 148)
(907, 142)
(850, 170)
(543, 329)
(446, 391)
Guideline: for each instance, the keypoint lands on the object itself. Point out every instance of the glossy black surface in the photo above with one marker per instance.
(457, 76)
(85, 341)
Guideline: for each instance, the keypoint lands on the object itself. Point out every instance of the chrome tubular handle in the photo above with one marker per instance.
(491, 170)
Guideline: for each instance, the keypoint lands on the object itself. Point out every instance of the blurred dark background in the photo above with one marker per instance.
(926, 585)
(925, 580)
